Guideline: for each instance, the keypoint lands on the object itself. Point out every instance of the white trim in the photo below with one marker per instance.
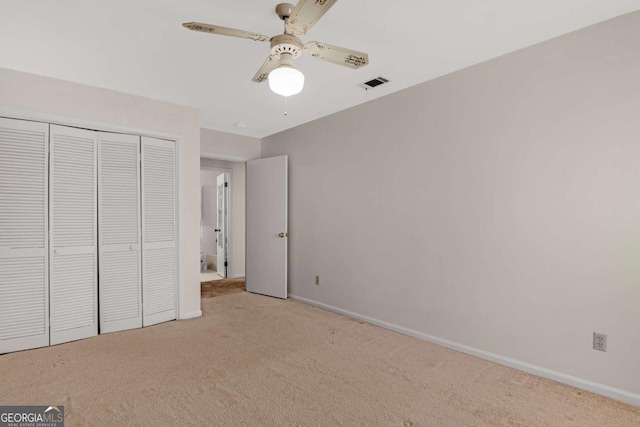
(35, 116)
(191, 315)
(238, 276)
(601, 389)
(224, 157)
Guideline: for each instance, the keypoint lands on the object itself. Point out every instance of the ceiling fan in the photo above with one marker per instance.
(278, 68)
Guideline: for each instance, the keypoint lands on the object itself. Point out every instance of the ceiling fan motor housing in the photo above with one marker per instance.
(286, 44)
(283, 10)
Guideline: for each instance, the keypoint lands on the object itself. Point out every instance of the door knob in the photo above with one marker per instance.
(132, 247)
(217, 230)
(282, 235)
(57, 251)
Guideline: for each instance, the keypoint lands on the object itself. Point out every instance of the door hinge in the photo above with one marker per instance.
(226, 184)
(225, 263)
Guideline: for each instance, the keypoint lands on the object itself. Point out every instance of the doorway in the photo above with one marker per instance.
(222, 223)
(261, 185)
(214, 223)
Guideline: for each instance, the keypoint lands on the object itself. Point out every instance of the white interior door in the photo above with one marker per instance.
(120, 287)
(24, 292)
(159, 260)
(73, 234)
(267, 226)
(221, 230)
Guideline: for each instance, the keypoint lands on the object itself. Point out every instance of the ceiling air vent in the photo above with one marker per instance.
(374, 83)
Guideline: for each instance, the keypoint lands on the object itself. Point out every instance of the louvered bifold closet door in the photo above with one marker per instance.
(159, 258)
(73, 239)
(24, 300)
(119, 225)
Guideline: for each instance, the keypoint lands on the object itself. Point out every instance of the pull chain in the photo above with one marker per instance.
(285, 106)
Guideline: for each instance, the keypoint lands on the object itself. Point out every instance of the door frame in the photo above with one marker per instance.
(229, 212)
(181, 211)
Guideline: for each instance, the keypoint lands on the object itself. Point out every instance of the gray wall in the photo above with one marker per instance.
(228, 146)
(508, 217)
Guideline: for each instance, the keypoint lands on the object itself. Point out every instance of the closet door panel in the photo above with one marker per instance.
(119, 228)
(24, 297)
(73, 223)
(159, 259)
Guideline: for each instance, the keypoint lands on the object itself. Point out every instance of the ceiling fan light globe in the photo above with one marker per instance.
(286, 81)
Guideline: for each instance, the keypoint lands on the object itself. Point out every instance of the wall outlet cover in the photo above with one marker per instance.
(599, 342)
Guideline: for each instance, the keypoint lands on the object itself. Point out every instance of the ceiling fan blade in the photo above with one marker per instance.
(269, 65)
(306, 14)
(337, 55)
(216, 29)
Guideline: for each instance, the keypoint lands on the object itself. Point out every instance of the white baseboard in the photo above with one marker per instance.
(601, 389)
(237, 276)
(191, 315)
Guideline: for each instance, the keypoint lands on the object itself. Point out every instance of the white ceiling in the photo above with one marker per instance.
(140, 47)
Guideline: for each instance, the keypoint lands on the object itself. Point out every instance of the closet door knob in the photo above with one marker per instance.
(57, 251)
(133, 247)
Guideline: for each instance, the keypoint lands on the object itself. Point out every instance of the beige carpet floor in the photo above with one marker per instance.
(216, 288)
(257, 361)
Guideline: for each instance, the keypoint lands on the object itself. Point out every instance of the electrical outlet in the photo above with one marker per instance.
(599, 342)
(318, 280)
